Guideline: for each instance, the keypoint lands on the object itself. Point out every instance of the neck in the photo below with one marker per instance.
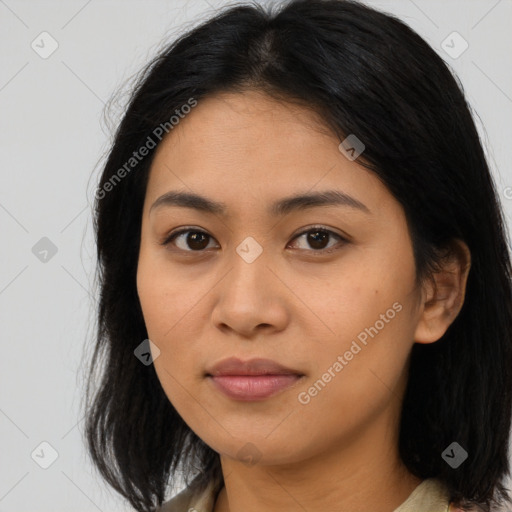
(354, 476)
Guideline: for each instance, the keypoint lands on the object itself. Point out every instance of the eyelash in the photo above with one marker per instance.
(172, 236)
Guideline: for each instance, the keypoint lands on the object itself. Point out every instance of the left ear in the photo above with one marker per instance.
(443, 296)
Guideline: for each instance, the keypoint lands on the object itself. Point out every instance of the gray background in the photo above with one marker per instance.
(52, 140)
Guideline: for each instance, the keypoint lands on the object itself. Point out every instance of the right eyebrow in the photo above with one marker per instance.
(279, 208)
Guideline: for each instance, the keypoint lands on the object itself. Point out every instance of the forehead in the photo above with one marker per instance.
(235, 146)
(246, 124)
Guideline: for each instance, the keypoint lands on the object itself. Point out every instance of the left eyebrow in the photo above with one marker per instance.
(278, 208)
(312, 200)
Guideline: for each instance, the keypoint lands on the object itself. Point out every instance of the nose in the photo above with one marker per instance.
(250, 298)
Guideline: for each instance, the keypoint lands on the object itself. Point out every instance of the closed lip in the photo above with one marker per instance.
(256, 366)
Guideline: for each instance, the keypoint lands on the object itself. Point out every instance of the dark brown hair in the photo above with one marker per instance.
(365, 73)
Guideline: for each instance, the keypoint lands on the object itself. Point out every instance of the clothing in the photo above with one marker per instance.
(429, 496)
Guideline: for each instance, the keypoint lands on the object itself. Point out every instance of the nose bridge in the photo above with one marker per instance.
(247, 298)
(249, 266)
(251, 296)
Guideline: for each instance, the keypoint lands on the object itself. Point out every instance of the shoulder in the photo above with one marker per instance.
(431, 494)
(191, 499)
(182, 502)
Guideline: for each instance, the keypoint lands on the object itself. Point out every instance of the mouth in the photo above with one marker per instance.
(253, 387)
(256, 379)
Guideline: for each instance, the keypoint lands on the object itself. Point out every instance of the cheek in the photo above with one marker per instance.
(165, 316)
(358, 373)
(352, 306)
(174, 320)
(371, 318)
(165, 297)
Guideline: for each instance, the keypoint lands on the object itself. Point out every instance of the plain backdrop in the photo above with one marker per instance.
(61, 62)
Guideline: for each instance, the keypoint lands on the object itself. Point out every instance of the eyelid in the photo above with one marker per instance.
(168, 238)
(320, 227)
(185, 229)
(343, 239)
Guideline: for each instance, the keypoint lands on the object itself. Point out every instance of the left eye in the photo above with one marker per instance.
(317, 237)
(194, 240)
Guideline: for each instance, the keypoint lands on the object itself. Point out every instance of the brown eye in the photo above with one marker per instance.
(193, 240)
(318, 239)
(189, 240)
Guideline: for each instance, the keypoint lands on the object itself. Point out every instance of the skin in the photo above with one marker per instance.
(294, 304)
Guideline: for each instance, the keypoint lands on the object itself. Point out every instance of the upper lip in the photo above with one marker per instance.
(257, 366)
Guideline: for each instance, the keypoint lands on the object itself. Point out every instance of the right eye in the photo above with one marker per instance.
(189, 240)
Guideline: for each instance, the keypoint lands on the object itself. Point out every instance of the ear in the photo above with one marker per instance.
(443, 296)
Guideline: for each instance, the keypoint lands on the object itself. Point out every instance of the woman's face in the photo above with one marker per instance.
(325, 290)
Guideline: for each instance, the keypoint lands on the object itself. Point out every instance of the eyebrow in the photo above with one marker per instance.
(279, 208)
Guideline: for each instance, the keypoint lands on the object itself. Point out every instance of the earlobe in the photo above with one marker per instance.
(443, 296)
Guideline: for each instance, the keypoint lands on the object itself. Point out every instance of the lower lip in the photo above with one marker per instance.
(253, 387)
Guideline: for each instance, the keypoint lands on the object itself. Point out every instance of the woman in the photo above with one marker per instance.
(305, 281)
